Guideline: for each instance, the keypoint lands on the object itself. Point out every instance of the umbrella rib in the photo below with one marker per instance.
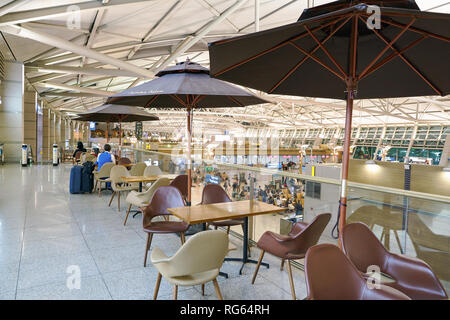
(417, 30)
(307, 57)
(318, 61)
(235, 101)
(387, 47)
(151, 101)
(399, 54)
(392, 56)
(177, 98)
(276, 47)
(326, 51)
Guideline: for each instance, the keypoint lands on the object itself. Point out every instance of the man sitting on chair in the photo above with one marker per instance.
(105, 157)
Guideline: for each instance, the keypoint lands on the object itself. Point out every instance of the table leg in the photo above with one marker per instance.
(245, 258)
(140, 190)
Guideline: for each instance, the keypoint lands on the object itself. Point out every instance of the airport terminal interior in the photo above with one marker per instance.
(224, 149)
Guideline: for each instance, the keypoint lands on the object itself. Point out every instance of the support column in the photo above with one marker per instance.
(30, 122)
(11, 110)
(45, 133)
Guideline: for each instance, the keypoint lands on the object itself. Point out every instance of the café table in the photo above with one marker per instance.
(224, 211)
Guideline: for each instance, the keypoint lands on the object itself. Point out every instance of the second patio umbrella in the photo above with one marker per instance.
(116, 113)
(344, 50)
(186, 85)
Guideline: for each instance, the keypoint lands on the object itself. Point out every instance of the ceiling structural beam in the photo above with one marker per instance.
(205, 4)
(51, 12)
(157, 25)
(257, 18)
(199, 35)
(268, 15)
(71, 94)
(69, 46)
(11, 6)
(73, 88)
(80, 70)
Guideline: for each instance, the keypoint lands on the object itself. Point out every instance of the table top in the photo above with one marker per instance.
(223, 211)
(131, 179)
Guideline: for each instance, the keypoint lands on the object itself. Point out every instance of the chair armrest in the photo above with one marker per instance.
(158, 256)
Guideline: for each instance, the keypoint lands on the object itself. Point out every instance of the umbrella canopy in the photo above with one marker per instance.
(116, 113)
(337, 51)
(186, 85)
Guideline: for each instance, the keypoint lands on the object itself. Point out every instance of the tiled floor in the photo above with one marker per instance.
(44, 230)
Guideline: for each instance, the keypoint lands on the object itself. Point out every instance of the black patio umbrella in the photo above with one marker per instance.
(338, 51)
(186, 85)
(116, 113)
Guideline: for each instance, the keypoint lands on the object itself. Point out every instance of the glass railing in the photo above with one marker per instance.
(406, 222)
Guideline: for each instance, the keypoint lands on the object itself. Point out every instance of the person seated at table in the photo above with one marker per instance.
(80, 147)
(105, 157)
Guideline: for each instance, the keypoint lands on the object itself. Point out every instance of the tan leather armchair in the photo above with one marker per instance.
(138, 169)
(142, 199)
(330, 275)
(102, 176)
(412, 276)
(117, 184)
(197, 262)
(294, 245)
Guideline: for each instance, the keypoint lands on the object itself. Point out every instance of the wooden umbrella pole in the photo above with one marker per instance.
(120, 137)
(351, 91)
(107, 132)
(189, 163)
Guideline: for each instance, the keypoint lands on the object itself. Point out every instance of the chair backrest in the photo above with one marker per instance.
(363, 247)
(204, 251)
(309, 236)
(152, 171)
(213, 193)
(116, 174)
(105, 170)
(181, 183)
(78, 155)
(155, 185)
(164, 197)
(138, 169)
(89, 157)
(330, 275)
(124, 160)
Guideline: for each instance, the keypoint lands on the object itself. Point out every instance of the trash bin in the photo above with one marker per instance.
(24, 160)
(2, 154)
(55, 155)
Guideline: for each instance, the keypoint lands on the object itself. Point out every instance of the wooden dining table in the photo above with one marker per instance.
(224, 211)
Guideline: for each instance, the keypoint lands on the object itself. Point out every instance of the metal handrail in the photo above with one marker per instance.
(395, 191)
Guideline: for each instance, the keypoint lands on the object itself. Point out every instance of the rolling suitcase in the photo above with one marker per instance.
(87, 177)
(75, 179)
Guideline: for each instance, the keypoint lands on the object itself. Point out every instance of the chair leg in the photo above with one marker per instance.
(99, 188)
(258, 265)
(96, 182)
(228, 230)
(182, 238)
(215, 227)
(112, 197)
(158, 282)
(291, 280)
(216, 286)
(203, 289)
(175, 292)
(128, 212)
(282, 264)
(149, 242)
(118, 201)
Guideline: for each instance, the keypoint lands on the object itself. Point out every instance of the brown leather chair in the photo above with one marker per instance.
(412, 276)
(294, 245)
(213, 193)
(164, 197)
(181, 183)
(330, 275)
(124, 161)
(77, 157)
